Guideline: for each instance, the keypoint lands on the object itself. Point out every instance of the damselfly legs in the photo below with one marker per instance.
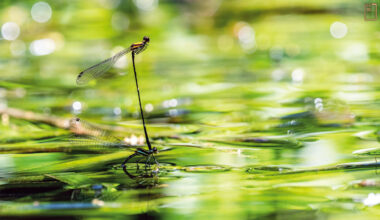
(92, 136)
(99, 69)
(149, 154)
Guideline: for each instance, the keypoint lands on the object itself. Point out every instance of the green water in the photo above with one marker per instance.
(258, 111)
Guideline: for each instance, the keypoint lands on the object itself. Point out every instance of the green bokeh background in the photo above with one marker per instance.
(260, 111)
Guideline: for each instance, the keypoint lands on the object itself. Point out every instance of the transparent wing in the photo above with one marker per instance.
(81, 127)
(91, 141)
(97, 144)
(87, 134)
(99, 69)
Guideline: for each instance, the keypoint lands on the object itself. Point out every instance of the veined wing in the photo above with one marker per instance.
(99, 69)
(87, 134)
(99, 142)
(81, 127)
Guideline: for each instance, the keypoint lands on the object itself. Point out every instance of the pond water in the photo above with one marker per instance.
(287, 128)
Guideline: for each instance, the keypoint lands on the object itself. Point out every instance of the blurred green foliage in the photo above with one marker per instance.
(257, 107)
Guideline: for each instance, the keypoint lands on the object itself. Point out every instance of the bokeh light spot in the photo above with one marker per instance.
(297, 75)
(10, 31)
(246, 36)
(42, 47)
(122, 62)
(146, 5)
(117, 111)
(41, 12)
(338, 29)
(149, 107)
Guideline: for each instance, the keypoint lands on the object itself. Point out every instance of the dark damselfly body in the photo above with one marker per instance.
(98, 70)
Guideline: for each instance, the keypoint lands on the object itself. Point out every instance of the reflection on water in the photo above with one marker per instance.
(256, 111)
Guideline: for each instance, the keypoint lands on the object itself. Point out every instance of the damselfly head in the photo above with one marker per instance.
(146, 39)
(155, 150)
(74, 122)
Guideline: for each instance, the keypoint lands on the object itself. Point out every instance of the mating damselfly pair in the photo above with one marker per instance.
(97, 71)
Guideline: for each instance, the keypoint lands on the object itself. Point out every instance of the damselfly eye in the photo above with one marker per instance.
(155, 149)
(146, 39)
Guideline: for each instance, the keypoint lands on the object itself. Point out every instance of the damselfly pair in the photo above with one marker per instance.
(98, 70)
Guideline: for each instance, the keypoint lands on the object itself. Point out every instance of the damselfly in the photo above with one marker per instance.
(99, 69)
(103, 138)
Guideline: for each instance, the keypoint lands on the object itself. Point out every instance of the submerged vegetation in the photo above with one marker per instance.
(259, 110)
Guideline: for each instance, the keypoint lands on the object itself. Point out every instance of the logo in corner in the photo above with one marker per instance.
(370, 11)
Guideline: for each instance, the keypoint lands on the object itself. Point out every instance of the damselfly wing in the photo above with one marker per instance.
(87, 134)
(98, 70)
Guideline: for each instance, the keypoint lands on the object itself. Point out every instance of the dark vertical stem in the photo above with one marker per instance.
(141, 110)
